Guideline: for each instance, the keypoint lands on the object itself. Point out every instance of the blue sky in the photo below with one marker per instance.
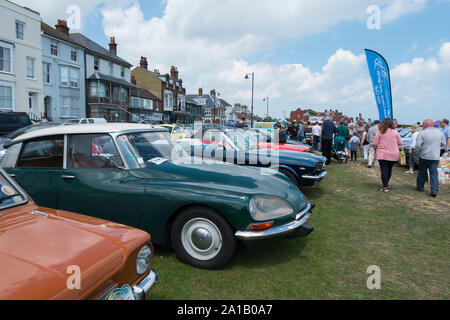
(304, 53)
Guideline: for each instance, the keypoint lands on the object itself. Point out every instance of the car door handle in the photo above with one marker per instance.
(68, 177)
(12, 175)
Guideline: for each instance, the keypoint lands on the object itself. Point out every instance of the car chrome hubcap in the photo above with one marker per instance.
(201, 239)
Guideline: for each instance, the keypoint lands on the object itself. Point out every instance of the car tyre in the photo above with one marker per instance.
(203, 238)
(290, 175)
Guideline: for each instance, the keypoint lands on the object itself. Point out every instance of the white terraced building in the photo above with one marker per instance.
(20, 60)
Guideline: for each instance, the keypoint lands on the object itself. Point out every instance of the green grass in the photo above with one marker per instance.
(404, 232)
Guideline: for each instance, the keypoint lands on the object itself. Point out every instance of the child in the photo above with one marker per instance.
(354, 146)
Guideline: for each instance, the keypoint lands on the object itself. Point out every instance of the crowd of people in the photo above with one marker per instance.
(380, 142)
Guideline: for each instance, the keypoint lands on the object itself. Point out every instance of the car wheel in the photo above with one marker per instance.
(203, 238)
(290, 175)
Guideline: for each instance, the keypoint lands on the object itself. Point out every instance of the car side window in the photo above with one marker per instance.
(43, 153)
(91, 121)
(93, 151)
(84, 121)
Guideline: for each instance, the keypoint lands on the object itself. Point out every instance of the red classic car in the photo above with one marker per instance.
(55, 254)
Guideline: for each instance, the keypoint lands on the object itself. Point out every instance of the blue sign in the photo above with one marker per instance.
(381, 81)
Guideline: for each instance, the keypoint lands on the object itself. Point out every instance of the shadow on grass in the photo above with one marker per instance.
(271, 253)
(313, 193)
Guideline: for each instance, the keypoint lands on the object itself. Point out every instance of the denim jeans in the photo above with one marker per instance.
(316, 142)
(431, 166)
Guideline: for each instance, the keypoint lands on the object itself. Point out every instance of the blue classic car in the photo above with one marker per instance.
(302, 168)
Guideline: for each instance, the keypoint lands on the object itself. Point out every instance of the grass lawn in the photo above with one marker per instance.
(404, 232)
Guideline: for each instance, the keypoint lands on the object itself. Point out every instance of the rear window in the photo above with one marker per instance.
(7, 119)
(43, 154)
(24, 120)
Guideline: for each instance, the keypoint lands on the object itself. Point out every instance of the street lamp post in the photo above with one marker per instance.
(253, 87)
(267, 99)
(215, 105)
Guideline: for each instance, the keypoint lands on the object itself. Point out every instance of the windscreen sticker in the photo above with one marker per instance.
(7, 190)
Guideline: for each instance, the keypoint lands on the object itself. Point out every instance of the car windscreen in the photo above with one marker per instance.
(144, 149)
(239, 140)
(9, 194)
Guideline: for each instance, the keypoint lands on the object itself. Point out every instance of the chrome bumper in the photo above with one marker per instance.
(140, 290)
(318, 177)
(300, 219)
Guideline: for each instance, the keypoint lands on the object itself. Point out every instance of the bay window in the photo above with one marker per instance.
(64, 72)
(74, 77)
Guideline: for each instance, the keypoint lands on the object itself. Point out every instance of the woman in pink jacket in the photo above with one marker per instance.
(386, 143)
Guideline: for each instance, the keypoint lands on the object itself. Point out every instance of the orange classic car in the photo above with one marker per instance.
(54, 254)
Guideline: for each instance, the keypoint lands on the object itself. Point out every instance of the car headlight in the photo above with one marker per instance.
(266, 208)
(143, 259)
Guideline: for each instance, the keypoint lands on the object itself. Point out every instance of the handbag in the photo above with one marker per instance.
(402, 157)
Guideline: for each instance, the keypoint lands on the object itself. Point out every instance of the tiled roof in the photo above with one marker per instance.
(48, 30)
(143, 93)
(101, 76)
(97, 49)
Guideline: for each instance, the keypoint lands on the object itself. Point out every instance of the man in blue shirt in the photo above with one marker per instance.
(328, 130)
(446, 131)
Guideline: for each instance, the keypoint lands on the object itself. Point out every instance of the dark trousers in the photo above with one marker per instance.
(386, 171)
(316, 142)
(424, 167)
(326, 149)
(354, 155)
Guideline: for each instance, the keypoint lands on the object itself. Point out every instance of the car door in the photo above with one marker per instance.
(93, 185)
(38, 169)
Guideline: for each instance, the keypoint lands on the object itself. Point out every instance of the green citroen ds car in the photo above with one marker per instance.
(133, 174)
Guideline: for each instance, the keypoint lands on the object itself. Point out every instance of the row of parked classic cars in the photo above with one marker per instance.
(199, 196)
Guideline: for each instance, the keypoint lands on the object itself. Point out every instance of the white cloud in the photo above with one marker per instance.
(400, 8)
(51, 10)
(210, 43)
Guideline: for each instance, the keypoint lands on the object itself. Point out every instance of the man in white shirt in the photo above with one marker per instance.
(317, 132)
(428, 148)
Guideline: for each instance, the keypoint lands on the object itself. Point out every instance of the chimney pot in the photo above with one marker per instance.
(143, 63)
(113, 46)
(174, 73)
(61, 26)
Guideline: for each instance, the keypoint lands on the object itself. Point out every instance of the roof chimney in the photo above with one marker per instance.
(143, 63)
(213, 92)
(200, 92)
(156, 71)
(113, 46)
(62, 26)
(133, 80)
(174, 73)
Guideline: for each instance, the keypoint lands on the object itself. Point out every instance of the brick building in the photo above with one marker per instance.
(166, 87)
